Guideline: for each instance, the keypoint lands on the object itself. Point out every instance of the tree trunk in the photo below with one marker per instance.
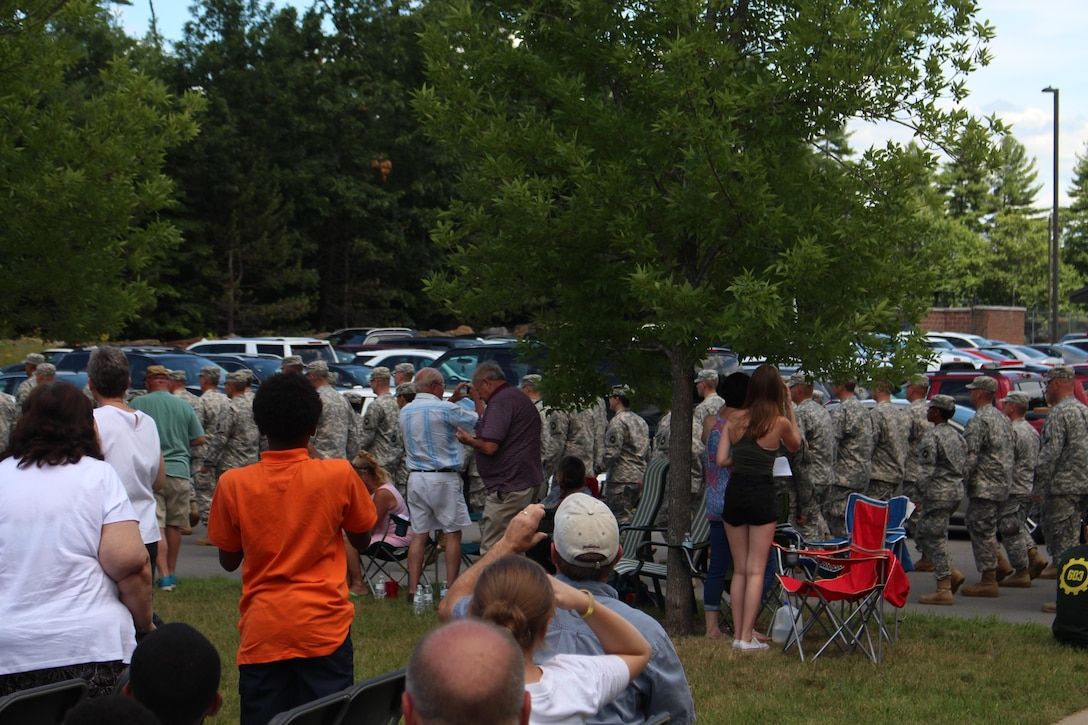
(679, 595)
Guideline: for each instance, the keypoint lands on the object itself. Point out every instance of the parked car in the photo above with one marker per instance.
(393, 357)
(308, 348)
(456, 365)
(10, 382)
(1069, 354)
(1024, 354)
(263, 366)
(140, 359)
(961, 339)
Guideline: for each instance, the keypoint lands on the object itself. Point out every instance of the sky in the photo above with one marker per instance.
(1038, 44)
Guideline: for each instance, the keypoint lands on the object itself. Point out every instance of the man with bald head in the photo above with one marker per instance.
(464, 673)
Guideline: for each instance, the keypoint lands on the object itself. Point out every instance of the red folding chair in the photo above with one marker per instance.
(843, 607)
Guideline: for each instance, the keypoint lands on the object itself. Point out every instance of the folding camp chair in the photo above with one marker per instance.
(386, 560)
(641, 526)
(376, 701)
(42, 705)
(328, 710)
(696, 552)
(846, 605)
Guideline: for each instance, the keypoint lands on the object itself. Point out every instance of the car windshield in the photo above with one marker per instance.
(309, 353)
(1032, 352)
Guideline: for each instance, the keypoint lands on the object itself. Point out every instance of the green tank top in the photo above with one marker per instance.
(752, 459)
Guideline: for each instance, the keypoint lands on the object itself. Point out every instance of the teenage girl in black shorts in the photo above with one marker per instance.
(755, 432)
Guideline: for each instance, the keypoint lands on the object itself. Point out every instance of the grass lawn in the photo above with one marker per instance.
(942, 670)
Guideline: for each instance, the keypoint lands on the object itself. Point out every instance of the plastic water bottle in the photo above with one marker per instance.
(687, 540)
(379, 587)
(417, 601)
(445, 589)
(428, 598)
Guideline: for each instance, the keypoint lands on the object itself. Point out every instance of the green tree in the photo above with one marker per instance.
(85, 136)
(639, 179)
(1075, 219)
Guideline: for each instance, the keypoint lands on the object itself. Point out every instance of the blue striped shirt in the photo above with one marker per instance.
(428, 427)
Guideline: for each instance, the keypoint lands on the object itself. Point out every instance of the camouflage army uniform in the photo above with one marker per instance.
(210, 407)
(942, 460)
(337, 433)
(188, 397)
(9, 416)
(1013, 513)
(380, 437)
(891, 428)
(660, 449)
(565, 434)
(710, 405)
(596, 417)
(626, 453)
(1061, 474)
(24, 389)
(919, 425)
(236, 441)
(813, 465)
(987, 479)
(853, 430)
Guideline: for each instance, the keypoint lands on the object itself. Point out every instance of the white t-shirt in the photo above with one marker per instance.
(130, 443)
(57, 605)
(573, 688)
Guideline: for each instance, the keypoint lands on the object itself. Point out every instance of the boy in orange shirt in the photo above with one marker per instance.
(280, 519)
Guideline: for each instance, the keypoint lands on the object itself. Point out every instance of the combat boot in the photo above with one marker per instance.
(985, 588)
(1051, 572)
(1020, 579)
(1004, 568)
(1036, 563)
(956, 579)
(923, 564)
(943, 595)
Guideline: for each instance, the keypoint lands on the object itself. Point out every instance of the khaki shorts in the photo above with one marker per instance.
(435, 501)
(172, 503)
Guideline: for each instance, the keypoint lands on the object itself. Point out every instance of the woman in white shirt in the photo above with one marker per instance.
(75, 580)
(517, 594)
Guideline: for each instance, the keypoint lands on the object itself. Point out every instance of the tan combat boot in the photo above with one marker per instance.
(985, 588)
(1020, 580)
(1051, 572)
(956, 579)
(1036, 563)
(923, 564)
(1004, 568)
(943, 595)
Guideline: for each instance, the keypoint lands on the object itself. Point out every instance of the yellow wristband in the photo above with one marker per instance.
(589, 610)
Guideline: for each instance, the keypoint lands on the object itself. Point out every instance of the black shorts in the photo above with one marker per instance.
(749, 501)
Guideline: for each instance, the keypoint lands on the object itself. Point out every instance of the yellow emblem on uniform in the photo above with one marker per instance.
(1074, 578)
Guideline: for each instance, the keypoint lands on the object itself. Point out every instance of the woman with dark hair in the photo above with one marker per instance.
(516, 594)
(75, 585)
(750, 442)
(734, 390)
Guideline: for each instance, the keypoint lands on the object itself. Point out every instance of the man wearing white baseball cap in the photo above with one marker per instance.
(584, 549)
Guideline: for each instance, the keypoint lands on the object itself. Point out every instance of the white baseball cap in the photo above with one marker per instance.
(585, 525)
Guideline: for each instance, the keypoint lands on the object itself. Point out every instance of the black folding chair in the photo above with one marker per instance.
(376, 701)
(43, 705)
(328, 710)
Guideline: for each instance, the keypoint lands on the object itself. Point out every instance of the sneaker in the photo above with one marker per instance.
(749, 646)
(168, 583)
(759, 644)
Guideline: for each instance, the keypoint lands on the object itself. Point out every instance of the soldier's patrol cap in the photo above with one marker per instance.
(405, 369)
(1018, 398)
(799, 378)
(178, 376)
(885, 386)
(983, 382)
(531, 379)
(210, 372)
(238, 377)
(380, 372)
(406, 389)
(707, 375)
(623, 390)
(318, 366)
(291, 360)
(46, 369)
(34, 358)
(943, 402)
(918, 381)
(818, 396)
(1061, 371)
(154, 370)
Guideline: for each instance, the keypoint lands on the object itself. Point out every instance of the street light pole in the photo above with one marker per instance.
(1054, 230)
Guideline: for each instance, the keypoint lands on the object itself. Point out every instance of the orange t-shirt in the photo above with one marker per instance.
(285, 514)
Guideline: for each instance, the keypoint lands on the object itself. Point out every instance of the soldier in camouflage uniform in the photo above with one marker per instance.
(813, 463)
(210, 407)
(853, 430)
(942, 460)
(292, 364)
(1061, 473)
(891, 427)
(987, 480)
(380, 435)
(9, 416)
(30, 365)
(563, 433)
(337, 433)
(660, 449)
(597, 420)
(917, 390)
(1013, 513)
(706, 385)
(178, 378)
(626, 453)
(403, 373)
(235, 442)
